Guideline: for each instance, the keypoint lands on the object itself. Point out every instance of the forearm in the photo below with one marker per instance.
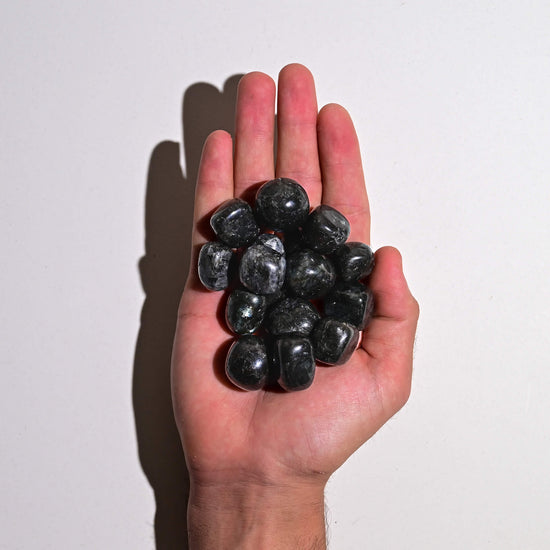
(238, 516)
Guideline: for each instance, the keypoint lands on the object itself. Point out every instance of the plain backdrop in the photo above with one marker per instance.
(104, 106)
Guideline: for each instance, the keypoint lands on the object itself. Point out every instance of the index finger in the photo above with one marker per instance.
(342, 170)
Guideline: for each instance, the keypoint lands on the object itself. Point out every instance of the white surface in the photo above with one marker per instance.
(451, 104)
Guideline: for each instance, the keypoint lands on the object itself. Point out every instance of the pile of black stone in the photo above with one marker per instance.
(283, 265)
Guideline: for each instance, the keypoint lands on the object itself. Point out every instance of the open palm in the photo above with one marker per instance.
(276, 437)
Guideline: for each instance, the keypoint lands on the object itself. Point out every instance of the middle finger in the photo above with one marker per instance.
(297, 155)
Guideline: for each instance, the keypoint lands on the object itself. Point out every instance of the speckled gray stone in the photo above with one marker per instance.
(350, 302)
(262, 268)
(294, 357)
(246, 364)
(334, 341)
(292, 316)
(215, 265)
(234, 223)
(354, 261)
(244, 312)
(282, 204)
(326, 229)
(309, 274)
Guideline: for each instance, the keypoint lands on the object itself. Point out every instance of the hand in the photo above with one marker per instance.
(245, 448)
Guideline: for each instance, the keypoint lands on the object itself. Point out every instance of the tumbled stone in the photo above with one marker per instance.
(291, 316)
(326, 229)
(296, 364)
(214, 266)
(282, 204)
(350, 302)
(354, 261)
(244, 312)
(246, 364)
(309, 274)
(234, 223)
(334, 341)
(262, 268)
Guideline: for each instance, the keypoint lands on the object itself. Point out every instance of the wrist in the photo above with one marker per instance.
(238, 515)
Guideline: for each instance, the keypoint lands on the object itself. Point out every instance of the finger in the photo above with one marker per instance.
(254, 132)
(389, 338)
(342, 171)
(214, 181)
(297, 155)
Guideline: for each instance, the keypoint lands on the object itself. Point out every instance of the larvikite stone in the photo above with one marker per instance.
(326, 229)
(244, 312)
(282, 204)
(309, 274)
(234, 223)
(215, 265)
(262, 268)
(354, 261)
(334, 341)
(246, 364)
(292, 316)
(296, 363)
(350, 302)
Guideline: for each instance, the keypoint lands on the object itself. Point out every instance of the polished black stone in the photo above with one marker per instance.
(350, 302)
(244, 312)
(354, 261)
(262, 268)
(282, 204)
(215, 265)
(291, 316)
(309, 275)
(334, 341)
(326, 229)
(234, 223)
(246, 364)
(294, 357)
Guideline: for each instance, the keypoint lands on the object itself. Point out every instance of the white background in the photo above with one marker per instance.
(451, 103)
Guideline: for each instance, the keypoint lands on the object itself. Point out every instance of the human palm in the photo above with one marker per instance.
(268, 436)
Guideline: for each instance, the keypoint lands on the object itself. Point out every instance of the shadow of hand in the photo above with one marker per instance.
(163, 269)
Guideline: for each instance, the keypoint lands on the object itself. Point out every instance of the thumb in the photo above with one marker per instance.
(389, 338)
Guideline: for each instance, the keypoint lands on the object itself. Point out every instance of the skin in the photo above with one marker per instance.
(259, 461)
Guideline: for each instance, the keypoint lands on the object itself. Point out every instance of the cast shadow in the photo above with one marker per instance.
(163, 269)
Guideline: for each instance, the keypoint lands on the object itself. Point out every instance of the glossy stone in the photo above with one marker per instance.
(350, 302)
(354, 261)
(291, 316)
(309, 274)
(282, 204)
(246, 364)
(244, 312)
(294, 357)
(215, 265)
(234, 223)
(334, 341)
(326, 229)
(262, 268)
